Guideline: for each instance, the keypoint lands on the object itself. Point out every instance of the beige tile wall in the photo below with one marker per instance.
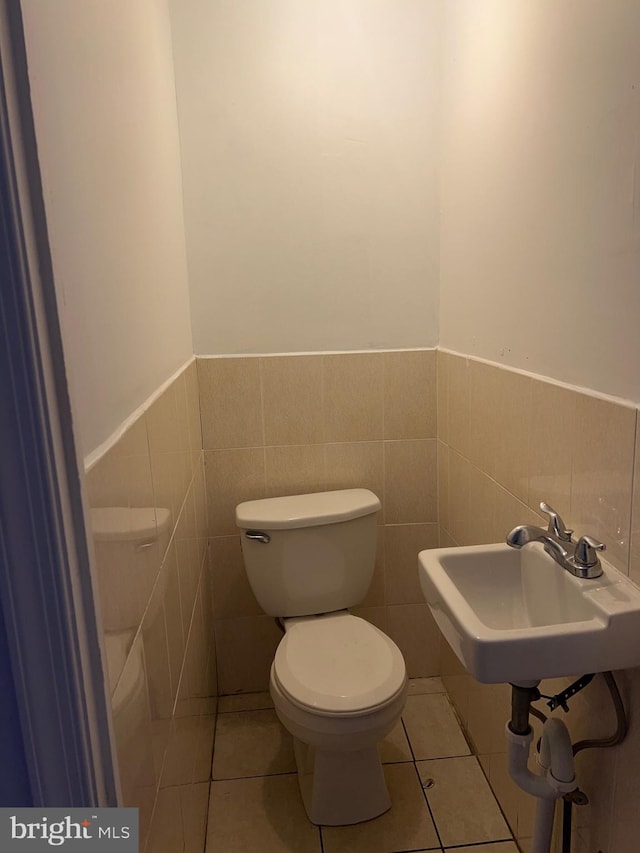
(506, 441)
(282, 425)
(155, 600)
(293, 424)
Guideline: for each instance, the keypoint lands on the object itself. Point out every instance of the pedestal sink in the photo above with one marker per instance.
(517, 616)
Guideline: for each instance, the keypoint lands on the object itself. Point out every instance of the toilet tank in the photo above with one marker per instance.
(129, 544)
(317, 552)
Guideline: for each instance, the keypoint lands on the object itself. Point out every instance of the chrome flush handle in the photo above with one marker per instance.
(258, 536)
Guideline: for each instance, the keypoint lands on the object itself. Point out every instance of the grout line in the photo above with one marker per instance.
(447, 757)
(383, 496)
(323, 409)
(384, 397)
(206, 820)
(406, 732)
(471, 754)
(462, 727)
(426, 799)
(199, 384)
(480, 844)
(213, 750)
(256, 776)
(245, 710)
(262, 415)
(633, 508)
(474, 754)
(227, 448)
(421, 850)
(415, 767)
(263, 430)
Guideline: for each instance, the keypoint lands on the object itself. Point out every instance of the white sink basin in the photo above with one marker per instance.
(516, 615)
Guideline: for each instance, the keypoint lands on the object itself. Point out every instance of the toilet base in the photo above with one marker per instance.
(341, 788)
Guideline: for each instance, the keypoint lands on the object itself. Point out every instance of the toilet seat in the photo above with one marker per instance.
(338, 665)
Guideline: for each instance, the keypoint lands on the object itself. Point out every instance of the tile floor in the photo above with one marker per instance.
(441, 800)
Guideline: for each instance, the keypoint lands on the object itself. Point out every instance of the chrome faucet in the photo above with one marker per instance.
(525, 533)
(583, 563)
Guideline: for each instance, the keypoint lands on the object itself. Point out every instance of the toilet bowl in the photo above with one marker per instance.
(338, 683)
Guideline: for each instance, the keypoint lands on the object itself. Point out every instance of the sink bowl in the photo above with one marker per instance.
(517, 616)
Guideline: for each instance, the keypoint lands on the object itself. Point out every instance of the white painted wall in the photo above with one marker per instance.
(540, 241)
(104, 101)
(309, 134)
(310, 138)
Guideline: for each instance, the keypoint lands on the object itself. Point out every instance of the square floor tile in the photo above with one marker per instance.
(433, 684)
(395, 746)
(263, 815)
(432, 727)
(406, 826)
(461, 801)
(251, 743)
(244, 702)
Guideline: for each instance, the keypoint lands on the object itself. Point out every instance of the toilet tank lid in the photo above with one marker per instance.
(128, 523)
(306, 510)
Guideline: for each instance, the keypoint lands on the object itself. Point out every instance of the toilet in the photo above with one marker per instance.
(338, 683)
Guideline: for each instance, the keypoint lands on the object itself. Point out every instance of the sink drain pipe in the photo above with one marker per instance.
(557, 776)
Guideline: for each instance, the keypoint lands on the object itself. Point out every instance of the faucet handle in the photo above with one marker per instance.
(556, 526)
(586, 551)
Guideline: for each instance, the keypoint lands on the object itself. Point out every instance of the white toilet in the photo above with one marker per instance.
(338, 683)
